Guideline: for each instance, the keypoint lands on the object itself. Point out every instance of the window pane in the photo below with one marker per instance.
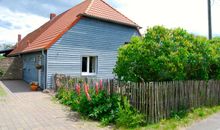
(84, 64)
(92, 64)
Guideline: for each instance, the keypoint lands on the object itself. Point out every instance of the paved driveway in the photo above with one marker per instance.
(23, 109)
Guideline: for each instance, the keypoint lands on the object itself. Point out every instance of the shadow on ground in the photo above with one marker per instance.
(16, 86)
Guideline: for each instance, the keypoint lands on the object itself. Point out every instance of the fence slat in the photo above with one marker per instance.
(156, 100)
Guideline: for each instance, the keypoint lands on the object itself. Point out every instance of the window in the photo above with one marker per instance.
(89, 65)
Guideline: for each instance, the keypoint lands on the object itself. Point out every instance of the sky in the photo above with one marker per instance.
(24, 16)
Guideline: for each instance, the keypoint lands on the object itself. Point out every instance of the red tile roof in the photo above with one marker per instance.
(50, 32)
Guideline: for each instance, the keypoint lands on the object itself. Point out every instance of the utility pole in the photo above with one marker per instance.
(209, 19)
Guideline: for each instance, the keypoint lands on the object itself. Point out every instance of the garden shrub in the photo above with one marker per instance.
(60, 93)
(164, 54)
(128, 117)
(66, 96)
(102, 107)
(179, 114)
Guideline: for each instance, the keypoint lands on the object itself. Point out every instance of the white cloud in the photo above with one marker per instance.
(21, 23)
(188, 14)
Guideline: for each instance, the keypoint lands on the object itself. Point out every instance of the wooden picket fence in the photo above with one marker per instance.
(159, 100)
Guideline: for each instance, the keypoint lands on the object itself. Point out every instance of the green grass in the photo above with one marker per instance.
(1, 57)
(180, 121)
(2, 92)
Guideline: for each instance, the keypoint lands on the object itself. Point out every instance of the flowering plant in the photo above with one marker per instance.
(86, 89)
(96, 88)
(78, 89)
(38, 66)
(101, 85)
(33, 83)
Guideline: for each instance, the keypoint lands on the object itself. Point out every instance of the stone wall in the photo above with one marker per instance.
(12, 68)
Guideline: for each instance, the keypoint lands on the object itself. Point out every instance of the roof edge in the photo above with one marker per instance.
(62, 33)
(120, 13)
(53, 41)
(109, 20)
(31, 51)
(91, 2)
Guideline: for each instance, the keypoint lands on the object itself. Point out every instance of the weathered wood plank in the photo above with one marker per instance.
(156, 100)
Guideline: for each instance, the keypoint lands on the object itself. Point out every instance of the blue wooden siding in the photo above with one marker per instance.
(88, 37)
(30, 73)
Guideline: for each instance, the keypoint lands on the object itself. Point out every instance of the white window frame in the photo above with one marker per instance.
(96, 66)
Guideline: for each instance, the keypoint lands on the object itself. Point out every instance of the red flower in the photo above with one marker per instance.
(78, 89)
(97, 88)
(88, 97)
(86, 89)
(101, 86)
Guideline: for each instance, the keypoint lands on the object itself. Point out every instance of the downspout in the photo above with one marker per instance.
(22, 67)
(44, 68)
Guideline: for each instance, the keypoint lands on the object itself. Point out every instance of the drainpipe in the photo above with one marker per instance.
(22, 66)
(39, 73)
(44, 68)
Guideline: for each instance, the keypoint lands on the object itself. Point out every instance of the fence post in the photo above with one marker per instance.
(111, 86)
(156, 100)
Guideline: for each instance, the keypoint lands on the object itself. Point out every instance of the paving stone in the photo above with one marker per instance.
(22, 109)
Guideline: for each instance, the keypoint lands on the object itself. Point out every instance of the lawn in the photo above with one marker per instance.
(2, 92)
(182, 120)
(1, 57)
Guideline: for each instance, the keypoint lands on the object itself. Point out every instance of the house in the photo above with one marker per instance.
(82, 41)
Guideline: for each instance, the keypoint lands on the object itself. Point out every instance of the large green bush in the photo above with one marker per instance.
(168, 54)
(215, 63)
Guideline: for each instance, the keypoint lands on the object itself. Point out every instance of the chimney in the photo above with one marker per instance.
(19, 37)
(52, 15)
